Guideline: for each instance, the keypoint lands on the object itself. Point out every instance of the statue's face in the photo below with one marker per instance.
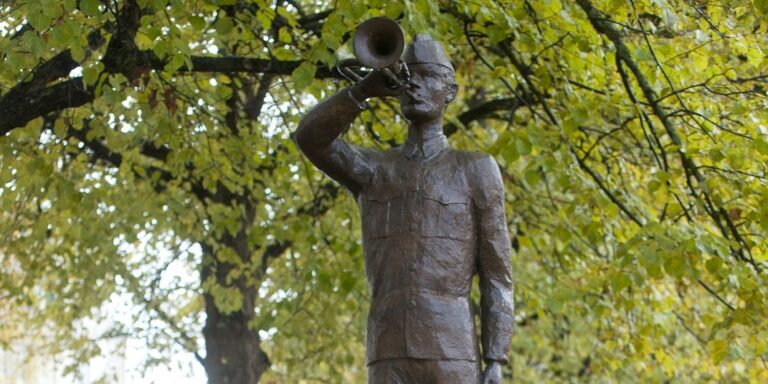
(432, 87)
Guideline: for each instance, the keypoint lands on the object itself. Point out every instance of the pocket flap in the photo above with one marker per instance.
(447, 196)
(383, 192)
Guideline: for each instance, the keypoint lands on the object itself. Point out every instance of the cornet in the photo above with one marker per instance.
(378, 44)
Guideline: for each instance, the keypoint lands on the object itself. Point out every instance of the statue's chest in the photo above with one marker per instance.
(425, 199)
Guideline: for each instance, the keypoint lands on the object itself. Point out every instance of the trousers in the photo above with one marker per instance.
(419, 371)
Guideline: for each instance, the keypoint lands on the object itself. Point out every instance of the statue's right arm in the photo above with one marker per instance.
(318, 137)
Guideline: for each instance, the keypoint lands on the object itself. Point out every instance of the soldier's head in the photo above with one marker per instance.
(433, 81)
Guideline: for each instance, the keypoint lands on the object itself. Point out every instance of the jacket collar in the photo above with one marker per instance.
(424, 149)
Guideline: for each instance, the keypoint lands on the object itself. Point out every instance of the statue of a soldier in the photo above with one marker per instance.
(432, 218)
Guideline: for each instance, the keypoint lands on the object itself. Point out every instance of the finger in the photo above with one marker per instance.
(391, 77)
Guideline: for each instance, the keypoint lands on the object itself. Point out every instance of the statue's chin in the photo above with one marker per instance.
(416, 114)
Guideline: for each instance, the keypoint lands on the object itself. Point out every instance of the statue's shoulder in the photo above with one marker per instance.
(375, 154)
(473, 159)
(391, 154)
(480, 168)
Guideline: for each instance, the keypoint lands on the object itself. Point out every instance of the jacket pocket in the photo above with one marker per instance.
(383, 211)
(447, 214)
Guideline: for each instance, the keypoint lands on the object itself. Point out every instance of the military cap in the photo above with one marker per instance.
(425, 50)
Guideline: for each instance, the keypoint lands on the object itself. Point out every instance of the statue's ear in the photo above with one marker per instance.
(453, 88)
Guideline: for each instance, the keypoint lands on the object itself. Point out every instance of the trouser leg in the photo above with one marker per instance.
(415, 371)
(392, 371)
(455, 371)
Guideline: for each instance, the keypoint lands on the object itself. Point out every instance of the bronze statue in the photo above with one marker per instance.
(432, 218)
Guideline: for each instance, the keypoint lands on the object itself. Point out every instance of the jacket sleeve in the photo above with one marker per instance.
(318, 138)
(494, 264)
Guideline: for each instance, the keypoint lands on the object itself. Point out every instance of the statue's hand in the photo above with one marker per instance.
(492, 373)
(377, 84)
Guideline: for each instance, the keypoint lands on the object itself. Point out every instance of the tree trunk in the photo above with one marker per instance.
(233, 352)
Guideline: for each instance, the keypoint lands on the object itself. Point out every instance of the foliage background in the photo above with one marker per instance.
(631, 135)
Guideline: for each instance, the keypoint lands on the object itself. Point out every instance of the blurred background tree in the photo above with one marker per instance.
(146, 155)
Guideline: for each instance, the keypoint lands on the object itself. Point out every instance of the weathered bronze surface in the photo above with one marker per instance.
(432, 218)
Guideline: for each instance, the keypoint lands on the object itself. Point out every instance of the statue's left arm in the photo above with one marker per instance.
(493, 263)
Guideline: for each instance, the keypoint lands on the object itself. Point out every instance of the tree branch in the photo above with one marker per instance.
(31, 99)
(16, 110)
(601, 25)
(247, 64)
(487, 109)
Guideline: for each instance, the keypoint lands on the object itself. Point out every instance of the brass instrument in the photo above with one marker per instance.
(378, 44)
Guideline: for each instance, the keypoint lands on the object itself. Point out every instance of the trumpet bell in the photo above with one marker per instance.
(378, 43)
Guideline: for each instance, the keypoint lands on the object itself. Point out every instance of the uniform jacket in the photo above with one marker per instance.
(432, 218)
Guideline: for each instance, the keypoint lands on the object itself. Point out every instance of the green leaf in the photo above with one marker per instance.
(620, 282)
(761, 6)
(143, 42)
(570, 125)
(579, 115)
(197, 22)
(70, 5)
(304, 74)
(89, 7)
(39, 20)
(265, 18)
(173, 65)
(393, 9)
(161, 49)
(289, 17)
(91, 75)
(523, 146)
(284, 36)
(34, 43)
(78, 52)
(713, 265)
(62, 33)
(224, 25)
(717, 350)
(532, 177)
(227, 299)
(761, 145)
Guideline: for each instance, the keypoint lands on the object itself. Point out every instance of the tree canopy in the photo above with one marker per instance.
(140, 137)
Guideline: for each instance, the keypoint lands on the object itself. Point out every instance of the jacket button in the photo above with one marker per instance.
(412, 304)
